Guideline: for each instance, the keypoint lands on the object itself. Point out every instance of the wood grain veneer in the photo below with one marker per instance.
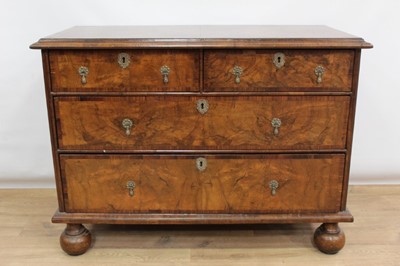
(142, 74)
(260, 73)
(230, 184)
(231, 123)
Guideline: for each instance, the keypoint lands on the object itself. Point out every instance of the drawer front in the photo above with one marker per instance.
(128, 70)
(269, 70)
(225, 184)
(175, 123)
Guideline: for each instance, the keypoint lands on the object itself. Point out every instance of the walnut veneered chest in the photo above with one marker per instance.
(201, 124)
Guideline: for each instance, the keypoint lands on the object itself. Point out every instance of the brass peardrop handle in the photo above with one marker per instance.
(237, 71)
(273, 185)
(127, 124)
(319, 72)
(276, 124)
(83, 72)
(165, 73)
(130, 185)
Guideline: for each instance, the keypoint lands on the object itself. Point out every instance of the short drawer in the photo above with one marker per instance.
(223, 184)
(273, 70)
(185, 123)
(124, 70)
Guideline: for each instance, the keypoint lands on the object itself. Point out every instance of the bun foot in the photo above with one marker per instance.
(75, 239)
(329, 238)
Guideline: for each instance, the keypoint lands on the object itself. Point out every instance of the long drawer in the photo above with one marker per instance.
(202, 183)
(202, 123)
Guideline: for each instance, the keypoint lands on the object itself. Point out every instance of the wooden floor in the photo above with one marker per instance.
(27, 237)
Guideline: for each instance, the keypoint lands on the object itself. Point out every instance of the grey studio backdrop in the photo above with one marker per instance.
(25, 154)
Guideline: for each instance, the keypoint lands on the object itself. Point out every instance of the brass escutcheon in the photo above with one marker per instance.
(273, 185)
(201, 164)
(124, 60)
(202, 106)
(83, 71)
(279, 60)
(130, 185)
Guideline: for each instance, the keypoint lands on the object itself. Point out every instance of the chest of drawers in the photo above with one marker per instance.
(201, 125)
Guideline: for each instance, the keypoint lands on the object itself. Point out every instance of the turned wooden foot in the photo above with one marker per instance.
(329, 238)
(75, 239)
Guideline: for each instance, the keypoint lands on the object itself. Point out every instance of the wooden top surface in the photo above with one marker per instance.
(233, 36)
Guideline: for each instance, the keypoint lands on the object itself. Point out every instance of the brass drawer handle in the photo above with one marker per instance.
(124, 60)
(130, 185)
(83, 71)
(127, 125)
(201, 164)
(273, 185)
(319, 72)
(276, 124)
(202, 106)
(165, 72)
(237, 71)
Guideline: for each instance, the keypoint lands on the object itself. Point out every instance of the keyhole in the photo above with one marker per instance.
(123, 59)
(279, 59)
(202, 105)
(201, 164)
